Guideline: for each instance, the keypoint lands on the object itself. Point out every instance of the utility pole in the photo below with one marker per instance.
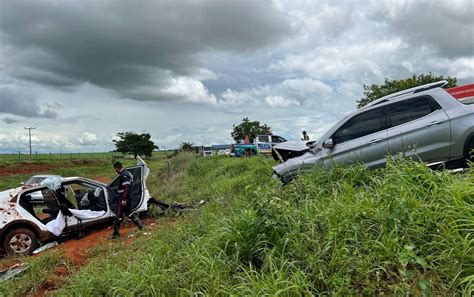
(29, 133)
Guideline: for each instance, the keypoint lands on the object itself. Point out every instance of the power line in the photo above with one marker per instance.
(29, 133)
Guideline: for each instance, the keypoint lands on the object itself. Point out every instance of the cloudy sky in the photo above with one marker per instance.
(81, 71)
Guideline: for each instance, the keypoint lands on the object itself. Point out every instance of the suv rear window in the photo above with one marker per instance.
(361, 125)
(410, 110)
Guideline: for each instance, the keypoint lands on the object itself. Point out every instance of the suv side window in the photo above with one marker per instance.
(361, 125)
(412, 109)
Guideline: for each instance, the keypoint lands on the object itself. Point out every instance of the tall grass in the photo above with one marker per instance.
(348, 231)
(34, 276)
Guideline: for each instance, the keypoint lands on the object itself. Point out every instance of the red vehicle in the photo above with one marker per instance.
(463, 93)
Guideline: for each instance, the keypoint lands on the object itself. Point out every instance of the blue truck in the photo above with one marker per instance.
(261, 145)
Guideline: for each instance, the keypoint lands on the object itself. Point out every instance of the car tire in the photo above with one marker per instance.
(469, 154)
(20, 241)
(249, 153)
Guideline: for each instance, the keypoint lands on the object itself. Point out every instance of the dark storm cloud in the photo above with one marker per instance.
(121, 46)
(16, 101)
(445, 26)
(8, 120)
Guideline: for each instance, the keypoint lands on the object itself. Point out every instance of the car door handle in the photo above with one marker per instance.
(434, 123)
(375, 140)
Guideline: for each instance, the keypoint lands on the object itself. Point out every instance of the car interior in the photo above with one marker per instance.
(73, 195)
(81, 195)
(36, 207)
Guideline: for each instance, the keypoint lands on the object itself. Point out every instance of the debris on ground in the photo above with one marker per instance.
(12, 271)
(45, 247)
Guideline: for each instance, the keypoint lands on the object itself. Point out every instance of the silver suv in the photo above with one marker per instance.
(425, 120)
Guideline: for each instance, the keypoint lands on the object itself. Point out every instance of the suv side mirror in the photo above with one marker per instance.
(22, 183)
(328, 143)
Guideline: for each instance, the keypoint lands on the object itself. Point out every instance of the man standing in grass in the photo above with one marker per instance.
(124, 199)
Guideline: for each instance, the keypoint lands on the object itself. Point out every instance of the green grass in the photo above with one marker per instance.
(88, 165)
(402, 230)
(396, 231)
(15, 158)
(34, 276)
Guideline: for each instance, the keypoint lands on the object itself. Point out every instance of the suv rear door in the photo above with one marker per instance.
(362, 139)
(419, 125)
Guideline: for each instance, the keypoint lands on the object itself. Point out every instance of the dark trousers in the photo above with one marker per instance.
(127, 210)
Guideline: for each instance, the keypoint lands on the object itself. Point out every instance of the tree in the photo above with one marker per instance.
(373, 92)
(187, 147)
(246, 127)
(135, 144)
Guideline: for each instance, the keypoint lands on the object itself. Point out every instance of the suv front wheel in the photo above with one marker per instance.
(20, 241)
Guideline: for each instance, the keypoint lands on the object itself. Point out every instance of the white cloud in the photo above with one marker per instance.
(189, 89)
(305, 86)
(88, 139)
(233, 97)
(19, 141)
(364, 61)
(279, 101)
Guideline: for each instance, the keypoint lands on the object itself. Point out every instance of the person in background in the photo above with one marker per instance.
(305, 136)
(124, 200)
(246, 139)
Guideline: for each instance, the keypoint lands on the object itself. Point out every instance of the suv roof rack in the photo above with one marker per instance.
(414, 90)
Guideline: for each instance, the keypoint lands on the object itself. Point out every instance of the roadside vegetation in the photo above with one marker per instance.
(394, 231)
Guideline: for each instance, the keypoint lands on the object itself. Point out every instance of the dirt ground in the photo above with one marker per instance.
(29, 168)
(77, 252)
(101, 179)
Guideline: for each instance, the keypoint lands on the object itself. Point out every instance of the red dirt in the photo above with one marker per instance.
(77, 252)
(102, 179)
(28, 168)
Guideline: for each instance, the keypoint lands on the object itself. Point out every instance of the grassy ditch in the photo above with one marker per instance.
(399, 230)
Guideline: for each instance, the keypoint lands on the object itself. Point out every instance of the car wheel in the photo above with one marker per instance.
(469, 152)
(249, 153)
(20, 241)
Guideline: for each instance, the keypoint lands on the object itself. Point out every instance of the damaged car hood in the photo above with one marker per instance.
(296, 146)
(287, 170)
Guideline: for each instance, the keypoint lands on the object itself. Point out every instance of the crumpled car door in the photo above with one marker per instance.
(140, 193)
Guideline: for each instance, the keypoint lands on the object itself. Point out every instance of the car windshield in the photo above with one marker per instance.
(34, 180)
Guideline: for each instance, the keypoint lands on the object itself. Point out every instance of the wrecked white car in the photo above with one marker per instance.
(36, 179)
(284, 151)
(76, 205)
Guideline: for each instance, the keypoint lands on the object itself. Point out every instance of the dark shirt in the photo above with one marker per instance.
(125, 180)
